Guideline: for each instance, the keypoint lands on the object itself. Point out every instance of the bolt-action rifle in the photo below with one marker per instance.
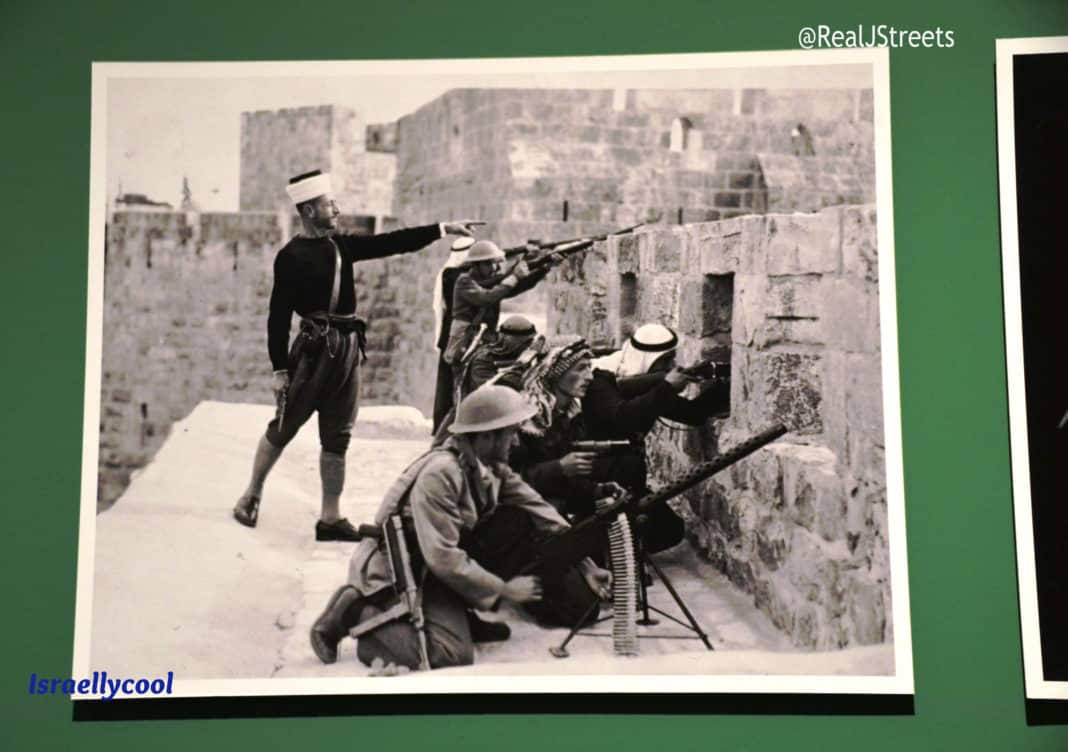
(567, 548)
(535, 246)
(708, 370)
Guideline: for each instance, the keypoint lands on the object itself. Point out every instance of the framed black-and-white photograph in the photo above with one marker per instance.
(1032, 155)
(643, 306)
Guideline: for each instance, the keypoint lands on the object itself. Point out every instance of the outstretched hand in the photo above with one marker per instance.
(461, 227)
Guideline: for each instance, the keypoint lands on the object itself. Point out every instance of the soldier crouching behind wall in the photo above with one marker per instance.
(474, 524)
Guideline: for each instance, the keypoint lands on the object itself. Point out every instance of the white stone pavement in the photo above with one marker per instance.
(179, 586)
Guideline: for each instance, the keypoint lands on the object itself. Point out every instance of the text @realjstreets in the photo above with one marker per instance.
(872, 35)
(102, 687)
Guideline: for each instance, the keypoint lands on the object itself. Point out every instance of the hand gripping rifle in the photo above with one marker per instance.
(567, 548)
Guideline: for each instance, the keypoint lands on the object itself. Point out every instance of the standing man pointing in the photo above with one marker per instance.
(319, 370)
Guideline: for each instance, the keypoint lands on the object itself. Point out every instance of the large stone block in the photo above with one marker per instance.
(658, 300)
(860, 244)
(851, 308)
(835, 424)
(711, 253)
(691, 310)
(803, 244)
(864, 396)
(668, 249)
(783, 331)
(795, 296)
(748, 313)
(792, 388)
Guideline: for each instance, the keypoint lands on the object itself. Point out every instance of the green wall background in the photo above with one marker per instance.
(965, 623)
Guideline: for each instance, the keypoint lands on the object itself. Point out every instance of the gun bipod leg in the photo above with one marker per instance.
(560, 651)
(693, 625)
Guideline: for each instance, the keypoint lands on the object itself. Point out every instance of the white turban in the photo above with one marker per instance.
(310, 187)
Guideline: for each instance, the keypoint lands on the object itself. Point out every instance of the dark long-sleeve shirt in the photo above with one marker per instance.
(304, 277)
(628, 408)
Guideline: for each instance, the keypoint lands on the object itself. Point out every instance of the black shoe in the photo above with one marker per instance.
(247, 511)
(487, 631)
(338, 530)
(328, 629)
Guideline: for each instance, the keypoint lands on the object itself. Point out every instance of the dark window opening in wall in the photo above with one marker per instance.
(717, 315)
(679, 137)
(233, 247)
(680, 216)
(144, 411)
(565, 210)
(628, 305)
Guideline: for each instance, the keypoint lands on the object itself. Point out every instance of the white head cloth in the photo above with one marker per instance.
(647, 345)
(309, 188)
(438, 303)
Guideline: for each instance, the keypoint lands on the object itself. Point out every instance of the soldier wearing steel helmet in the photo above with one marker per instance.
(474, 524)
(478, 293)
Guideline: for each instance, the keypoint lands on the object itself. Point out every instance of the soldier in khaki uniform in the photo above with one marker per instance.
(474, 522)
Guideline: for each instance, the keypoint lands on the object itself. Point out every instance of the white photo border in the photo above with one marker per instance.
(900, 683)
(1007, 49)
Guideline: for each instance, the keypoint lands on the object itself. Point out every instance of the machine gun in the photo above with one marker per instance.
(567, 548)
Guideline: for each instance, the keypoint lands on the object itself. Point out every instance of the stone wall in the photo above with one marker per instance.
(185, 320)
(278, 144)
(802, 524)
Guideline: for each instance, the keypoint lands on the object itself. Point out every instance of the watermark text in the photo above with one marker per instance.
(873, 35)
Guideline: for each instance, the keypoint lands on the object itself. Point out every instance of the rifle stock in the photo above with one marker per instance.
(569, 547)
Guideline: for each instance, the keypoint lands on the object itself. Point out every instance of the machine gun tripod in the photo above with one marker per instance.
(643, 562)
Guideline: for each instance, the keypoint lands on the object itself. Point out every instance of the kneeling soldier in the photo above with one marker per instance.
(473, 523)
